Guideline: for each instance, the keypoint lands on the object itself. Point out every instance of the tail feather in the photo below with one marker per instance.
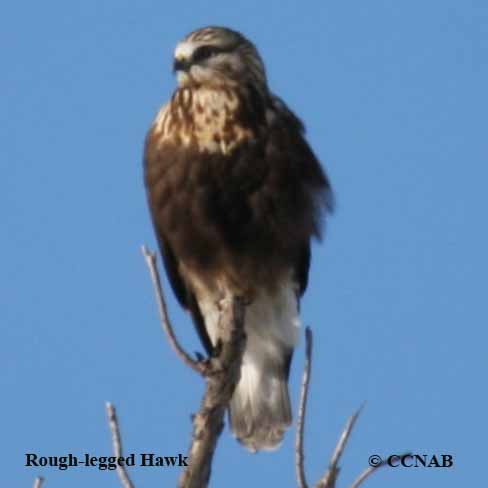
(260, 410)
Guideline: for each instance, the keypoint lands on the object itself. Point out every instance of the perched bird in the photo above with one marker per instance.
(236, 194)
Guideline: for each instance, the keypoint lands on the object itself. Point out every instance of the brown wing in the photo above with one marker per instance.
(182, 292)
(185, 297)
(313, 176)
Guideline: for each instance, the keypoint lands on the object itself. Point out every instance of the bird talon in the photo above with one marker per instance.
(200, 357)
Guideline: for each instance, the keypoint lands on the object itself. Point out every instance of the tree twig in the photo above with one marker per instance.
(222, 378)
(365, 474)
(117, 445)
(150, 258)
(38, 482)
(330, 477)
(299, 440)
(371, 469)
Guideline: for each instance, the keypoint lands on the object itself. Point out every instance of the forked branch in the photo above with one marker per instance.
(221, 373)
(329, 478)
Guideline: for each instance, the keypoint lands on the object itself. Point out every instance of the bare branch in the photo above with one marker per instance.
(371, 469)
(365, 474)
(150, 258)
(38, 482)
(117, 445)
(222, 377)
(222, 373)
(299, 440)
(330, 477)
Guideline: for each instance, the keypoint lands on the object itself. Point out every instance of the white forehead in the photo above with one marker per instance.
(184, 49)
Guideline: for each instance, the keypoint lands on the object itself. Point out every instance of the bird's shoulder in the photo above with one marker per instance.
(278, 113)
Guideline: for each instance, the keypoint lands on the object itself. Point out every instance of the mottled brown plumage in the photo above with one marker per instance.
(235, 195)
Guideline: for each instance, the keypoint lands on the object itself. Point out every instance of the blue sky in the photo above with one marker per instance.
(394, 98)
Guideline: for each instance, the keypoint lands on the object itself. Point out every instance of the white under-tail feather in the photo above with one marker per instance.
(260, 408)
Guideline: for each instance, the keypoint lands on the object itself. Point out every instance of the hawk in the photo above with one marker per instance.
(236, 195)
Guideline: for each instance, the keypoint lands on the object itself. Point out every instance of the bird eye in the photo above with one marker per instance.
(204, 52)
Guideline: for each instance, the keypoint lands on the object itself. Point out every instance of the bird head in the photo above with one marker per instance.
(217, 55)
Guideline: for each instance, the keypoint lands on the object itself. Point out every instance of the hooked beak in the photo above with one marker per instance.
(181, 64)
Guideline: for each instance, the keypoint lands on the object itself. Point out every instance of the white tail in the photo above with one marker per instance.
(260, 408)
